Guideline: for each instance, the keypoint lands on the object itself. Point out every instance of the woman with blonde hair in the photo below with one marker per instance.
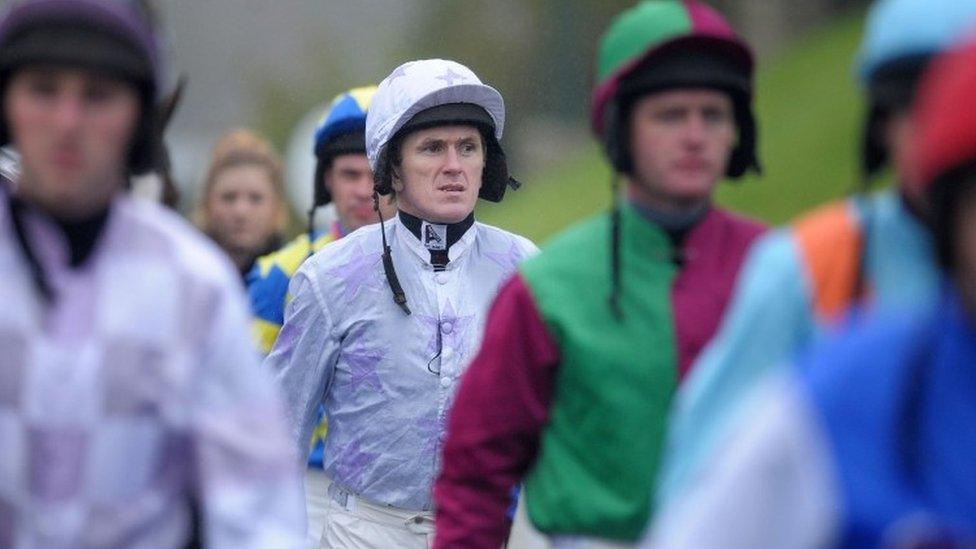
(242, 205)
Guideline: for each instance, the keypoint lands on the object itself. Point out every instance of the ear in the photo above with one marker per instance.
(326, 179)
(395, 180)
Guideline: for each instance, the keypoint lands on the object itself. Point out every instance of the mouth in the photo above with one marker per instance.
(692, 165)
(451, 188)
(67, 159)
(240, 230)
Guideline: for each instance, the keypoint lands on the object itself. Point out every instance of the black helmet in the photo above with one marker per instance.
(115, 36)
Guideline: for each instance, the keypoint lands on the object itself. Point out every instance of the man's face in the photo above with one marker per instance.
(73, 129)
(680, 144)
(440, 171)
(350, 182)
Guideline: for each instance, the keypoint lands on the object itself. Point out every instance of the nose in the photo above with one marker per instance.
(364, 186)
(68, 112)
(696, 129)
(452, 162)
(241, 208)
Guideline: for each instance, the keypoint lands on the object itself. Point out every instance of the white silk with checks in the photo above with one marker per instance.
(134, 393)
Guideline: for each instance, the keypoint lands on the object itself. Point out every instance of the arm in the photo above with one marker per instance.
(774, 486)
(304, 356)
(267, 295)
(493, 432)
(767, 320)
(247, 485)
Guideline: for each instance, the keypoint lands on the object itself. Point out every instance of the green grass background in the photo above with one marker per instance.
(810, 113)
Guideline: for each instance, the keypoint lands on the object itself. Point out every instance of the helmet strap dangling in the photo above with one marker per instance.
(615, 260)
(399, 297)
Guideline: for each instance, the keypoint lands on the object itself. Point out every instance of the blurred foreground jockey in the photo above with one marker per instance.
(584, 348)
(133, 411)
(870, 440)
(382, 323)
(799, 281)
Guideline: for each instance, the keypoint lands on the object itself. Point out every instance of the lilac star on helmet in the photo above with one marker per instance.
(420, 85)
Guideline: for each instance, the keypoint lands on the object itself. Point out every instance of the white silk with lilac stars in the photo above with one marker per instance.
(387, 379)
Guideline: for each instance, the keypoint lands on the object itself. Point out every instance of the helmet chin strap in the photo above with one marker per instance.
(399, 297)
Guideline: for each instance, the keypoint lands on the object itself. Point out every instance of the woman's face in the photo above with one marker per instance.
(243, 208)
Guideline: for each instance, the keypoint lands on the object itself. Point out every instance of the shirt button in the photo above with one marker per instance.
(447, 327)
(446, 382)
(447, 353)
(440, 278)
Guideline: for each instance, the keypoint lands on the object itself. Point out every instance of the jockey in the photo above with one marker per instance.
(869, 440)
(382, 323)
(133, 410)
(800, 281)
(584, 348)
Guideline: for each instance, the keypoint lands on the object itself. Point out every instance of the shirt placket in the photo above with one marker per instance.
(445, 284)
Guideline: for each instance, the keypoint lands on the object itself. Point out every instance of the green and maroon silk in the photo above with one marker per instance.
(570, 398)
(601, 446)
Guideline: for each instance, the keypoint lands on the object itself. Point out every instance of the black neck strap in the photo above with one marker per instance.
(440, 236)
(82, 235)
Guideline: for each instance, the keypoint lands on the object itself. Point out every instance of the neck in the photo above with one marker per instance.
(81, 231)
(241, 259)
(437, 237)
(453, 231)
(665, 205)
(676, 222)
(672, 221)
(96, 200)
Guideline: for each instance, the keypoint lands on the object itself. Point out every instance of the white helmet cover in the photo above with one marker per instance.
(419, 85)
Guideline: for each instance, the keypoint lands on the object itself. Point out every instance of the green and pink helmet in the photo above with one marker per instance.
(666, 44)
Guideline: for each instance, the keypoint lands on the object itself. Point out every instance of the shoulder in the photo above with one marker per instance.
(157, 229)
(588, 238)
(353, 256)
(773, 252)
(771, 284)
(287, 259)
(824, 226)
(737, 226)
(367, 239)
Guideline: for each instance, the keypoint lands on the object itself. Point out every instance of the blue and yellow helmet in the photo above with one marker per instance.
(342, 130)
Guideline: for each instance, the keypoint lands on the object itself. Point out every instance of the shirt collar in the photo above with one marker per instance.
(455, 251)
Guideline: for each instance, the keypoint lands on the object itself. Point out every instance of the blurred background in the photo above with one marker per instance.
(273, 64)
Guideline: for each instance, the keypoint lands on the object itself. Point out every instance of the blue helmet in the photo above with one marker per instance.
(342, 130)
(900, 38)
(905, 29)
